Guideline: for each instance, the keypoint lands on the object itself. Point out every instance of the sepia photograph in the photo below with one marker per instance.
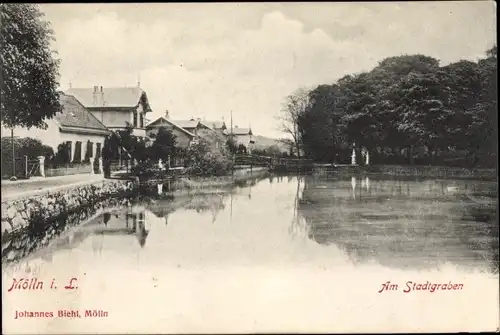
(242, 168)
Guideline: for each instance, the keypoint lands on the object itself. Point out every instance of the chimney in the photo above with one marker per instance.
(94, 96)
(166, 114)
(101, 101)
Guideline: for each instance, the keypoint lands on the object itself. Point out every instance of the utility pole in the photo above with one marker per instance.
(233, 145)
(231, 124)
(13, 154)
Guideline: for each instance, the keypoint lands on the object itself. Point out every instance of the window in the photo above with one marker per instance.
(135, 119)
(141, 123)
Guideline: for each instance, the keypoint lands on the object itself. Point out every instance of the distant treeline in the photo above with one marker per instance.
(407, 110)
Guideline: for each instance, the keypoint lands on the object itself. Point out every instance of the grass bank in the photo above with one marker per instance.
(438, 172)
(434, 172)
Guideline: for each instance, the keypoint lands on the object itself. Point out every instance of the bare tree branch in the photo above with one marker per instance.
(293, 107)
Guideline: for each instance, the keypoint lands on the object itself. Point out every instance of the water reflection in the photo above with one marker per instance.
(395, 223)
(131, 222)
(405, 223)
(302, 238)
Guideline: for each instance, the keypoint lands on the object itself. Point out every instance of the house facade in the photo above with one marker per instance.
(242, 135)
(75, 126)
(116, 107)
(183, 136)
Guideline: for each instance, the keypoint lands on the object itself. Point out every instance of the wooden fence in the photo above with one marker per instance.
(52, 170)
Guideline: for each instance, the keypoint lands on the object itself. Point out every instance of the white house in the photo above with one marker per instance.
(74, 125)
(242, 135)
(116, 107)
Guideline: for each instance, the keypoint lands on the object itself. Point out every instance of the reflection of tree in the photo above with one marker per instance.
(400, 228)
(213, 202)
(133, 223)
(207, 202)
(106, 217)
(296, 228)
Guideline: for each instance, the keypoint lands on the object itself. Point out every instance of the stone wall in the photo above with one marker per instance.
(21, 213)
(38, 235)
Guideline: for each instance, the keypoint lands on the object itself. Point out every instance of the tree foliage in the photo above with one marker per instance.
(408, 109)
(29, 67)
(208, 155)
(164, 145)
(26, 146)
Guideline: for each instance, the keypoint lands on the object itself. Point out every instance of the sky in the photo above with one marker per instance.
(206, 60)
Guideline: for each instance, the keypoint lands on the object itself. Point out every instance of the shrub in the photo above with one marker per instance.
(147, 170)
(242, 149)
(273, 150)
(164, 145)
(77, 158)
(63, 155)
(25, 146)
(208, 155)
(88, 151)
(30, 147)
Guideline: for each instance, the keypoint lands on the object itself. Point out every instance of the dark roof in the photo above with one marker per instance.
(113, 96)
(74, 114)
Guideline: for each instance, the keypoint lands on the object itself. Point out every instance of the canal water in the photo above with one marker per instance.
(285, 253)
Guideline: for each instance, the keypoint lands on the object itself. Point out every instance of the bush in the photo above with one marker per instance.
(208, 155)
(77, 158)
(88, 151)
(164, 145)
(63, 155)
(273, 151)
(26, 146)
(147, 170)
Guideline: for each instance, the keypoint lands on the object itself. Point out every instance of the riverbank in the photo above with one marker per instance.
(193, 184)
(435, 172)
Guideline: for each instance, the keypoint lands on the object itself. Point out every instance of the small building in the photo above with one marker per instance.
(219, 126)
(242, 135)
(192, 125)
(116, 107)
(74, 125)
(183, 136)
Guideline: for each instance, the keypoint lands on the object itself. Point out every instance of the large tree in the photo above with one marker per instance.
(407, 106)
(29, 67)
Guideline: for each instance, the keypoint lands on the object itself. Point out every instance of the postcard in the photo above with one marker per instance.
(249, 167)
